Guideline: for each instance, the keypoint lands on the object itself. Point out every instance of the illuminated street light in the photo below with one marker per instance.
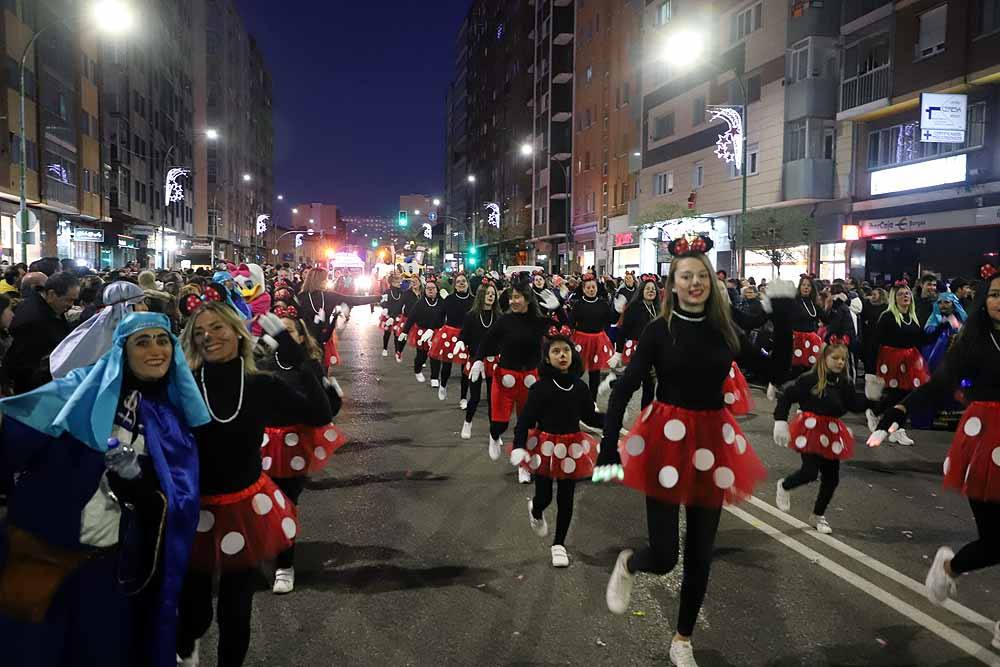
(471, 178)
(295, 211)
(247, 178)
(683, 48)
(527, 149)
(211, 134)
(112, 16)
(436, 201)
(281, 197)
(416, 211)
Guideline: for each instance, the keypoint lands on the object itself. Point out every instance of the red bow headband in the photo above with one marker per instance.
(988, 272)
(563, 331)
(840, 340)
(902, 282)
(538, 272)
(684, 246)
(430, 280)
(587, 277)
(289, 313)
(649, 278)
(192, 302)
(488, 282)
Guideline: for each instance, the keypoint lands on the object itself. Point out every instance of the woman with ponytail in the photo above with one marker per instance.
(480, 319)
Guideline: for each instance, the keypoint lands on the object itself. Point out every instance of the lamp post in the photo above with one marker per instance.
(527, 150)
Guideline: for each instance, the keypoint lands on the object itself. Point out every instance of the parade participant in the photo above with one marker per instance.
(245, 519)
(549, 303)
(590, 315)
(628, 287)
(321, 311)
(944, 322)
(426, 316)
(447, 345)
(96, 547)
(548, 442)
(233, 293)
(392, 308)
(412, 294)
(806, 342)
(480, 319)
(290, 453)
(643, 309)
(685, 448)
(973, 364)
(823, 395)
(250, 280)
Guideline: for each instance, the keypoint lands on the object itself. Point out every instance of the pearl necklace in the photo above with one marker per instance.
(594, 300)
(467, 295)
(995, 343)
(395, 298)
(569, 388)
(805, 305)
(312, 304)
(688, 318)
(280, 365)
(208, 404)
(429, 304)
(909, 320)
(486, 326)
(650, 310)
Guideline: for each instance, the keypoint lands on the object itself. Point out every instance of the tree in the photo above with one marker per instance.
(774, 232)
(664, 211)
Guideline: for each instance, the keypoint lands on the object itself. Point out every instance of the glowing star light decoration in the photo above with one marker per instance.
(262, 223)
(298, 240)
(173, 191)
(427, 231)
(493, 219)
(729, 147)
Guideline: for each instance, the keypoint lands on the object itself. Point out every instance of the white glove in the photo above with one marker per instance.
(772, 392)
(781, 434)
(330, 381)
(426, 337)
(389, 321)
(267, 343)
(459, 348)
(443, 293)
(876, 438)
(401, 337)
(620, 303)
(549, 300)
(518, 456)
(385, 298)
(873, 387)
(320, 317)
(271, 323)
(608, 473)
(781, 289)
(345, 311)
(615, 362)
(477, 372)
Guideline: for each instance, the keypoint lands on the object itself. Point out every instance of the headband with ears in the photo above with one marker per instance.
(685, 246)
(192, 302)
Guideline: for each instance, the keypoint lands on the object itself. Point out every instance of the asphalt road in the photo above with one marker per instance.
(415, 550)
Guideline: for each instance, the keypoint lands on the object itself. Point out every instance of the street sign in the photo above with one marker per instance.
(943, 117)
(32, 220)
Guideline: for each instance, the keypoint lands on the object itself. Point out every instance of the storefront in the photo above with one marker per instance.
(656, 240)
(625, 253)
(8, 231)
(771, 264)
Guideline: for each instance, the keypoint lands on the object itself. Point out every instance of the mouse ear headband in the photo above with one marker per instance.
(192, 302)
(685, 246)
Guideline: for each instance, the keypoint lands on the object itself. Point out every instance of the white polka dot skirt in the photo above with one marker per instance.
(296, 451)
(400, 323)
(629, 349)
(824, 436)
(510, 392)
(238, 531)
(443, 346)
(689, 457)
(382, 322)
(972, 466)
(331, 356)
(560, 456)
(806, 346)
(595, 349)
(901, 368)
(736, 392)
(413, 339)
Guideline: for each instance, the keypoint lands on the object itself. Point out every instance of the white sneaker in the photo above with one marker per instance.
(463, 404)
(434, 383)
(495, 447)
(996, 635)
(466, 430)
(940, 586)
(900, 438)
(399, 358)
(192, 660)
(782, 498)
(872, 420)
(539, 526)
(822, 525)
(559, 556)
(619, 590)
(523, 476)
(442, 392)
(284, 580)
(420, 377)
(682, 654)
(385, 353)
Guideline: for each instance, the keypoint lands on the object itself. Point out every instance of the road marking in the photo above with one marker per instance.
(953, 637)
(917, 587)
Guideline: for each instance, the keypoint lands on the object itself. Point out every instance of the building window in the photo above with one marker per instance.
(829, 143)
(625, 92)
(662, 14)
(698, 175)
(663, 183)
(753, 89)
(900, 144)
(798, 63)
(753, 155)
(795, 141)
(698, 111)
(932, 31)
(746, 21)
(590, 74)
(987, 17)
(586, 161)
(591, 202)
(663, 126)
(832, 261)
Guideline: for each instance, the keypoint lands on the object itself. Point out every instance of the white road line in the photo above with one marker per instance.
(959, 610)
(953, 637)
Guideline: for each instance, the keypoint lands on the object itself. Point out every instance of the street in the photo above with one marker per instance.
(415, 550)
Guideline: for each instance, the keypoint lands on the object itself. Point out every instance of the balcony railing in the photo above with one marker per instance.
(865, 88)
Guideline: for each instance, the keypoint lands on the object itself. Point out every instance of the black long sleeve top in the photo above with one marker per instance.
(839, 321)
(908, 333)
(474, 329)
(425, 314)
(971, 364)
(455, 308)
(637, 315)
(626, 291)
(556, 404)
(295, 374)
(394, 302)
(805, 315)
(517, 338)
(592, 316)
(409, 300)
(839, 397)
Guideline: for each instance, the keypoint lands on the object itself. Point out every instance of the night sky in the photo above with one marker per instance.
(359, 97)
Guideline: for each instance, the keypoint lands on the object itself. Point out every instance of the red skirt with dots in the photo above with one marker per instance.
(382, 322)
(689, 457)
(331, 356)
(398, 325)
(510, 392)
(824, 436)
(628, 350)
(805, 348)
(560, 456)
(296, 451)
(490, 365)
(736, 392)
(595, 349)
(972, 466)
(238, 531)
(413, 339)
(443, 346)
(901, 368)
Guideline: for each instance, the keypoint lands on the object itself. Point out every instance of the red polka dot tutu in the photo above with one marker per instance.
(628, 350)
(510, 392)
(689, 457)
(413, 338)
(901, 368)
(381, 322)
(560, 456)
(331, 356)
(825, 436)
(296, 451)
(443, 346)
(398, 325)
(805, 348)
(972, 466)
(238, 531)
(736, 392)
(490, 365)
(595, 349)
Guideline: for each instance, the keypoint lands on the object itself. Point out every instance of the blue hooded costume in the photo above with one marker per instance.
(233, 296)
(52, 443)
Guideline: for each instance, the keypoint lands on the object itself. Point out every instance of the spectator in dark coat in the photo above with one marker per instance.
(928, 297)
(39, 325)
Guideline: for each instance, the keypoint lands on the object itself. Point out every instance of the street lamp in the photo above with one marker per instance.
(471, 178)
(295, 211)
(416, 211)
(211, 134)
(281, 197)
(436, 202)
(528, 150)
(247, 178)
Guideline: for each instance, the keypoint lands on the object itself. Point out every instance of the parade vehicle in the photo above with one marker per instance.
(348, 275)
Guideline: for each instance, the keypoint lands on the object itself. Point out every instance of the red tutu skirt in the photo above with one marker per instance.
(595, 349)
(331, 357)
(296, 451)
(824, 436)
(565, 456)
(398, 325)
(490, 365)
(972, 466)
(736, 392)
(901, 368)
(413, 338)
(510, 392)
(382, 322)
(238, 531)
(443, 344)
(805, 348)
(629, 349)
(689, 457)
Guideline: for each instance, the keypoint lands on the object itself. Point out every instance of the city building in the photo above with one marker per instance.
(455, 219)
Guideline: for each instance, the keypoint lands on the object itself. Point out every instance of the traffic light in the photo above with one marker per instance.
(403, 221)
(374, 243)
(472, 257)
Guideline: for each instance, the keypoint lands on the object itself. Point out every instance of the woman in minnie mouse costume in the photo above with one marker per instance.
(392, 309)
(548, 442)
(548, 301)
(426, 316)
(640, 311)
(290, 453)
(245, 519)
(480, 319)
(806, 318)
(685, 448)
(447, 346)
(321, 310)
(411, 296)
(590, 315)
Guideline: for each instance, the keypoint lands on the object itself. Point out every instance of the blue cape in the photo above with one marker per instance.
(936, 318)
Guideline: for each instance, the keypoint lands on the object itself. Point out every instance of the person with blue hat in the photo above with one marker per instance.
(103, 510)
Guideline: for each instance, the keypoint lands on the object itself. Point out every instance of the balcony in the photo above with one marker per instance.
(872, 86)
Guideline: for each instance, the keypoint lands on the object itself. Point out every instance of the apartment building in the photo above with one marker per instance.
(456, 217)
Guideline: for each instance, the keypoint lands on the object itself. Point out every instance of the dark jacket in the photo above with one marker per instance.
(36, 331)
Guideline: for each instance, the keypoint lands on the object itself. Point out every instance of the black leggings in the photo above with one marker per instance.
(890, 397)
(385, 339)
(648, 389)
(816, 467)
(292, 488)
(421, 359)
(984, 552)
(593, 381)
(660, 557)
(400, 345)
(235, 605)
(446, 375)
(564, 504)
(475, 394)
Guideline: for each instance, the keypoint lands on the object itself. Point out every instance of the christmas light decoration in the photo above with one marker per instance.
(173, 191)
(427, 231)
(262, 223)
(729, 147)
(493, 219)
(298, 240)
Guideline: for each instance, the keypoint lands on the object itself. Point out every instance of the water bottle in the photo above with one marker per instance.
(122, 460)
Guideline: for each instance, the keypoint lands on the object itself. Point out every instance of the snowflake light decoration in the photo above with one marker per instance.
(493, 219)
(428, 233)
(173, 191)
(729, 147)
(298, 240)
(262, 223)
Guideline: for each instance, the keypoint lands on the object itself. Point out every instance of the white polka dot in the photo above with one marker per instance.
(668, 477)
(996, 456)
(833, 427)
(732, 372)
(508, 380)
(812, 360)
(596, 358)
(292, 439)
(920, 363)
(454, 339)
(825, 441)
(451, 356)
(811, 422)
(628, 343)
(801, 442)
(266, 462)
(559, 450)
(579, 348)
(576, 450)
(635, 445)
(724, 477)
(729, 398)
(947, 464)
(973, 426)
(447, 344)
(491, 359)
(297, 463)
(278, 496)
(798, 353)
(916, 382)
(536, 461)
(741, 443)
(568, 466)
(838, 447)
(529, 381)
(902, 368)
(288, 527)
(205, 521)
(815, 348)
(675, 430)
(265, 440)
(586, 446)
(728, 433)
(894, 383)
(605, 349)
(704, 459)
(532, 442)
(547, 448)
(232, 543)
(883, 368)
(262, 504)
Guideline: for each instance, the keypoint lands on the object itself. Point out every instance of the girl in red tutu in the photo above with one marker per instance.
(245, 518)
(422, 321)
(411, 296)
(685, 448)
(392, 308)
(972, 466)
(824, 396)
(590, 314)
(806, 316)
(548, 442)
(447, 346)
(480, 319)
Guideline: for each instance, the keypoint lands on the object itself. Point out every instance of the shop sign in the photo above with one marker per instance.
(201, 245)
(88, 235)
(127, 242)
(912, 224)
(625, 238)
(919, 175)
(943, 117)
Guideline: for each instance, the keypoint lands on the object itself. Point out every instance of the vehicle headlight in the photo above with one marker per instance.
(329, 284)
(364, 283)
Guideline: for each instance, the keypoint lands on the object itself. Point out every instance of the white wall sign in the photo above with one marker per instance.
(919, 175)
(88, 235)
(929, 222)
(943, 117)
